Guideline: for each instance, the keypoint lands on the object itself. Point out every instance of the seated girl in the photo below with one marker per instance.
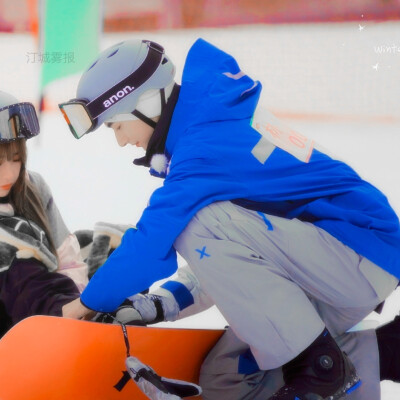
(41, 268)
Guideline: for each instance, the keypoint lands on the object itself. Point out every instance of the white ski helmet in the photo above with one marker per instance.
(17, 120)
(122, 76)
(7, 99)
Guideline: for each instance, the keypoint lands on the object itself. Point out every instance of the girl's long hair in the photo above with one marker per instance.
(24, 196)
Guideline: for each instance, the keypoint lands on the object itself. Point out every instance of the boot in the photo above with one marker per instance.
(388, 337)
(321, 372)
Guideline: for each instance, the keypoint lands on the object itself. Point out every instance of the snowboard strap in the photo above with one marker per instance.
(125, 333)
(154, 386)
(125, 374)
(123, 381)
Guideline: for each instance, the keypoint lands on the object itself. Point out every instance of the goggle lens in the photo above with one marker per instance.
(18, 121)
(77, 117)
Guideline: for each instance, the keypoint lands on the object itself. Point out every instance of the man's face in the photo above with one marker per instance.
(136, 132)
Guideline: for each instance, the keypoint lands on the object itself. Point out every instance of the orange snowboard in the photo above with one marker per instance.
(46, 358)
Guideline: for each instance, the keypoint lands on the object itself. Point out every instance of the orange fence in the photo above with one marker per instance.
(121, 15)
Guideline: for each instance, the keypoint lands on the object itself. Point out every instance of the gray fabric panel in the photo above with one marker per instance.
(59, 230)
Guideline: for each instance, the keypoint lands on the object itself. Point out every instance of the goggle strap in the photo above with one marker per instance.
(150, 64)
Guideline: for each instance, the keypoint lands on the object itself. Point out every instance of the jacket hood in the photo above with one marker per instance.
(213, 89)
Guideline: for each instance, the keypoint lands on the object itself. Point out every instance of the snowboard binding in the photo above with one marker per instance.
(155, 387)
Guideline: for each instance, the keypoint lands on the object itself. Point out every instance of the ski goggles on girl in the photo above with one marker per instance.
(18, 121)
(83, 115)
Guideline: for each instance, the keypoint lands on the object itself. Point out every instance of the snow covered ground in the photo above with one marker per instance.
(344, 77)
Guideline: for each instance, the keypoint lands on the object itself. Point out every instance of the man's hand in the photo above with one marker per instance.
(76, 310)
(142, 310)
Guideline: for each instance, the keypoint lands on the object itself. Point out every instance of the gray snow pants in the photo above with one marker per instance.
(279, 282)
(220, 379)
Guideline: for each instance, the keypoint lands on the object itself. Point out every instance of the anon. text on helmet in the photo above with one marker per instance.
(118, 96)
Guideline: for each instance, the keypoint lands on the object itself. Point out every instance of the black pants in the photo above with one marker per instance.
(27, 288)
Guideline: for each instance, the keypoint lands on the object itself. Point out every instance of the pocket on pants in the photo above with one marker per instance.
(382, 281)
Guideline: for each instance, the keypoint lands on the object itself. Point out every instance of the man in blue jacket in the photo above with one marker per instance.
(291, 245)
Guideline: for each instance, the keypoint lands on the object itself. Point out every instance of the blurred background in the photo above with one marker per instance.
(133, 15)
(321, 48)
(329, 68)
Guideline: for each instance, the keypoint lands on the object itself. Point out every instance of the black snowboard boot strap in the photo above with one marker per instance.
(321, 364)
(321, 371)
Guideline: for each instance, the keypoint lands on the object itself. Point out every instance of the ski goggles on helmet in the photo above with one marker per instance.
(82, 115)
(18, 121)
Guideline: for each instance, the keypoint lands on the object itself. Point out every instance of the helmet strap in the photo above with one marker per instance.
(146, 119)
(163, 101)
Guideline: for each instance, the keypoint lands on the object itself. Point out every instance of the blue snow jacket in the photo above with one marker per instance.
(210, 143)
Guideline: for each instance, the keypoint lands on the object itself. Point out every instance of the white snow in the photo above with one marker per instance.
(320, 69)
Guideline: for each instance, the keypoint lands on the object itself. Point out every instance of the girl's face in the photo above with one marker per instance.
(136, 132)
(9, 173)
